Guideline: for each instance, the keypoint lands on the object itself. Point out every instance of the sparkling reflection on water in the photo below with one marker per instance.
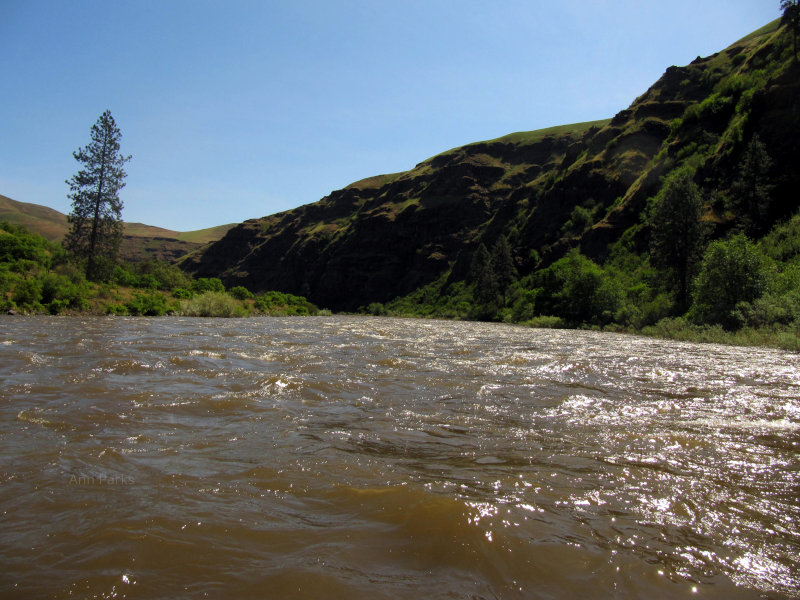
(358, 457)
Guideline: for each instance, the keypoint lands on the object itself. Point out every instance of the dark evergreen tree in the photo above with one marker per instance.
(96, 217)
(502, 265)
(677, 236)
(752, 189)
(791, 18)
(485, 287)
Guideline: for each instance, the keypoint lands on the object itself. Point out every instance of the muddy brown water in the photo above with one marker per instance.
(346, 457)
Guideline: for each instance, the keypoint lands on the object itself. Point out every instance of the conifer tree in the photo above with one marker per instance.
(96, 217)
(483, 277)
(676, 241)
(502, 264)
(752, 189)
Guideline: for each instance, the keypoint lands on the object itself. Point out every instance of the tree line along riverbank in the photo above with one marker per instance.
(40, 277)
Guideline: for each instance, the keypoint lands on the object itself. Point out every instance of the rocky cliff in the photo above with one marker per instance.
(547, 191)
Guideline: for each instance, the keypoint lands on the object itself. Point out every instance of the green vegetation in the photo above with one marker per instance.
(40, 276)
(96, 218)
(705, 243)
(678, 217)
(743, 292)
(528, 137)
(791, 16)
(140, 242)
(677, 232)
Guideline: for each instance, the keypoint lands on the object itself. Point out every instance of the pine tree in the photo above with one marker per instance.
(483, 278)
(752, 189)
(676, 241)
(96, 217)
(502, 265)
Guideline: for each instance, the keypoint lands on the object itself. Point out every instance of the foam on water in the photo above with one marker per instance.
(381, 458)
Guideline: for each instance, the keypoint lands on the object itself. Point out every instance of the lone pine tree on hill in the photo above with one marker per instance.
(96, 217)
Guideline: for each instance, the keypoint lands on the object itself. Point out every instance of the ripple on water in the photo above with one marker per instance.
(357, 457)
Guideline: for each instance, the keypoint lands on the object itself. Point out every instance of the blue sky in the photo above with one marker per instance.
(235, 110)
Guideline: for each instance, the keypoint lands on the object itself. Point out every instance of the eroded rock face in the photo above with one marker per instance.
(386, 236)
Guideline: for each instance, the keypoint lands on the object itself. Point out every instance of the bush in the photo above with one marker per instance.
(158, 274)
(59, 292)
(732, 271)
(28, 294)
(578, 290)
(116, 309)
(280, 304)
(579, 220)
(207, 284)
(151, 304)
(524, 306)
(241, 293)
(147, 281)
(546, 322)
(23, 245)
(212, 304)
(124, 277)
(376, 309)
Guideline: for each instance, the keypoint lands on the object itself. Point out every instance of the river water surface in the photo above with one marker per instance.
(345, 457)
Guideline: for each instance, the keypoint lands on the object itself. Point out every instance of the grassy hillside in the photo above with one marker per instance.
(140, 242)
(47, 222)
(573, 203)
(200, 236)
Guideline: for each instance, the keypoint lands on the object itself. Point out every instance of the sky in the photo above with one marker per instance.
(235, 110)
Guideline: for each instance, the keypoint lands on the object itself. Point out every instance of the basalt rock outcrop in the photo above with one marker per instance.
(386, 236)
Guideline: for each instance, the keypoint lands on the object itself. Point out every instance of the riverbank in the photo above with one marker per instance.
(219, 306)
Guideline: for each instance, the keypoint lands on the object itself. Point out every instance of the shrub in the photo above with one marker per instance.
(59, 292)
(151, 304)
(241, 293)
(207, 284)
(578, 290)
(116, 309)
(376, 309)
(28, 294)
(579, 219)
(524, 306)
(280, 304)
(124, 277)
(732, 271)
(161, 275)
(147, 281)
(212, 304)
(546, 322)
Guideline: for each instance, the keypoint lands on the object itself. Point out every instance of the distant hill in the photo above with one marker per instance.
(45, 221)
(547, 191)
(140, 241)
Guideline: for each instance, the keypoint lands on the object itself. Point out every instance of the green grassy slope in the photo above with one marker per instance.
(141, 241)
(45, 221)
(583, 185)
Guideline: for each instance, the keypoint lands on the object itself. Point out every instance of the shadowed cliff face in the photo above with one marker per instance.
(385, 236)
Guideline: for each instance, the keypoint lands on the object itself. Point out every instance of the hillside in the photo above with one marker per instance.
(548, 191)
(140, 242)
(47, 222)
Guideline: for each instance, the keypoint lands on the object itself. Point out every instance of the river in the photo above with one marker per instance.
(358, 457)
